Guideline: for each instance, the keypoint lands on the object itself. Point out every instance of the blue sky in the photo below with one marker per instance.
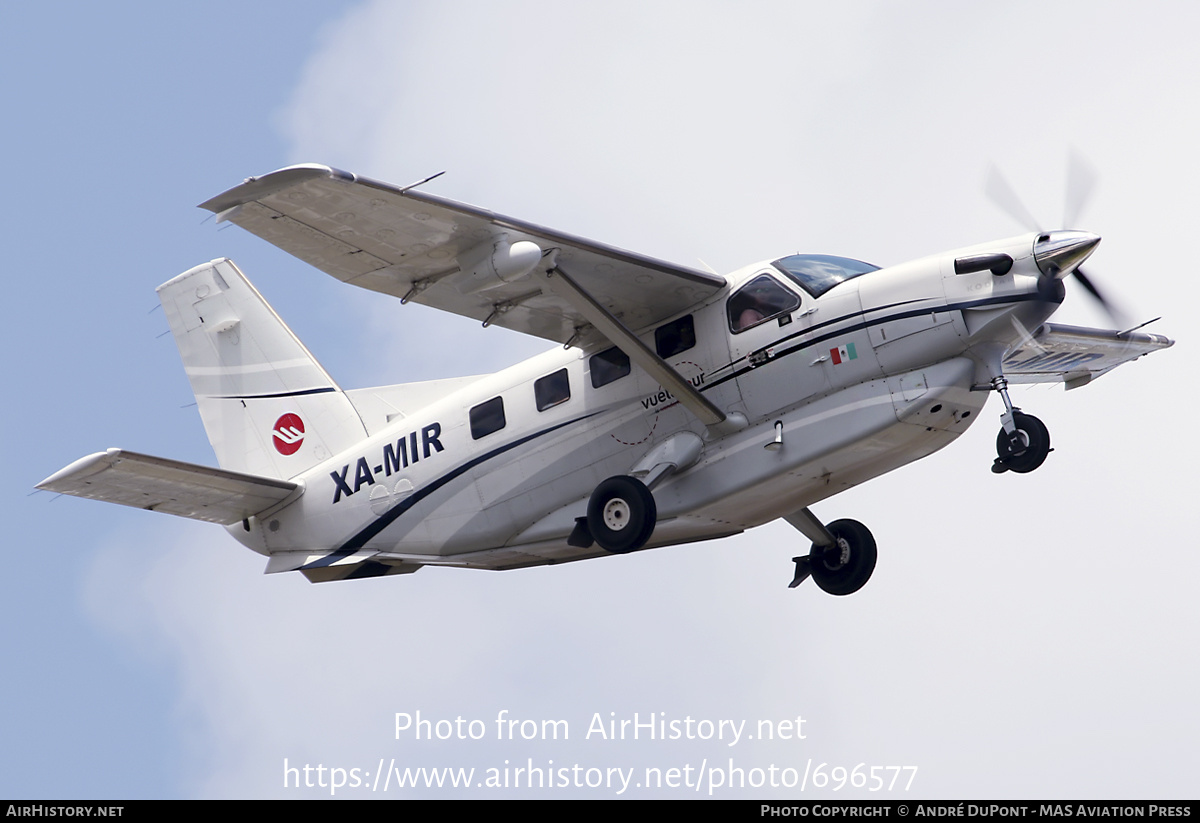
(1023, 637)
(174, 97)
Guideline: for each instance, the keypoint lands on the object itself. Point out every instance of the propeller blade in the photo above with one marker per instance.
(1004, 196)
(1027, 339)
(1081, 182)
(1114, 312)
(1087, 283)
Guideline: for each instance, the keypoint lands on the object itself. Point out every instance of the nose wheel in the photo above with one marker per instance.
(1023, 450)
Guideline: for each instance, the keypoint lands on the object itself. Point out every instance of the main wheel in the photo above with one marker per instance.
(846, 566)
(621, 514)
(1035, 438)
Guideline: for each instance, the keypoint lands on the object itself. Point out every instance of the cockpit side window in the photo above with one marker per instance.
(818, 273)
(758, 301)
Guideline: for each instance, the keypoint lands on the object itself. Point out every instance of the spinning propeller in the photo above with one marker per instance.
(1059, 253)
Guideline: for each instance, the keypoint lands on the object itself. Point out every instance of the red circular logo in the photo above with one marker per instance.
(288, 434)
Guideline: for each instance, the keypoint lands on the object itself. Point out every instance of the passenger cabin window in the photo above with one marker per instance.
(607, 366)
(487, 417)
(758, 301)
(818, 273)
(552, 389)
(675, 337)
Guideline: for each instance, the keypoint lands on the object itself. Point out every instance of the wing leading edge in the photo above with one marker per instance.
(454, 256)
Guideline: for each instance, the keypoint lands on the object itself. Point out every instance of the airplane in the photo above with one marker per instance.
(680, 405)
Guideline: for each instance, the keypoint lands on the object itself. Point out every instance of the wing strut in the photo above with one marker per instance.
(607, 324)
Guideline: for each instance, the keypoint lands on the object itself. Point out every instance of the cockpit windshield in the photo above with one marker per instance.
(818, 273)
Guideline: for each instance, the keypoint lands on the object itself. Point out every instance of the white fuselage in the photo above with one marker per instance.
(875, 373)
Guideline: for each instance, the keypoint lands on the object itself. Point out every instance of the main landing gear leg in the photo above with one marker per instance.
(1023, 442)
(842, 557)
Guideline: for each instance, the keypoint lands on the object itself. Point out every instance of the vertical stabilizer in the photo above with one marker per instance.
(267, 405)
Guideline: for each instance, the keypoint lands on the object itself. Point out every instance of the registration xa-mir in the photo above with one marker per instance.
(678, 405)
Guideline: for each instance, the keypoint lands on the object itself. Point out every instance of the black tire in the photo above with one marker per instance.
(845, 567)
(621, 514)
(1037, 444)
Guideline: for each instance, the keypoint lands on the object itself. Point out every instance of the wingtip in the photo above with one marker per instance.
(81, 469)
(253, 188)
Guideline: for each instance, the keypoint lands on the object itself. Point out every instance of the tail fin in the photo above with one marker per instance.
(267, 405)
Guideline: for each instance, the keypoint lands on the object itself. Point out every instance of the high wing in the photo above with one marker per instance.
(170, 486)
(1076, 355)
(454, 256)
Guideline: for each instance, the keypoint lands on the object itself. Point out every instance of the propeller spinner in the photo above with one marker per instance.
(1059, 253)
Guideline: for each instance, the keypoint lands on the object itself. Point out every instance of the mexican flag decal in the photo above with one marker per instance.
(843, 353)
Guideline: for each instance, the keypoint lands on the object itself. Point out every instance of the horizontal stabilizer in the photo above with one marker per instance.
(359, 571)
(322, 567)
(171, 486)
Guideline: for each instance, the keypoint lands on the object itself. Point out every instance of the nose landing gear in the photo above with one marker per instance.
(1025, 449)
(1023, 442)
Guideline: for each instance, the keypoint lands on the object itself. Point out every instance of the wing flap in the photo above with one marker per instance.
(171, 486)
(408, 244)
(1076, 355)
